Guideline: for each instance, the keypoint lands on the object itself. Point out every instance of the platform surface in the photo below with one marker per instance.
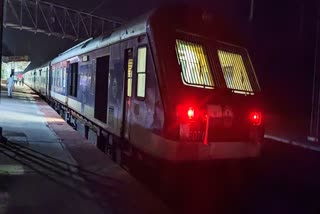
(47, 167)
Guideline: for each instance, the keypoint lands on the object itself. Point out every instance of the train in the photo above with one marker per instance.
(175, 85)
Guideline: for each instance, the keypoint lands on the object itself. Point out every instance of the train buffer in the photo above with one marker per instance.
(47, 167)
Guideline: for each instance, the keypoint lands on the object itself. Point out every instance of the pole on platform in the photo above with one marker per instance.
(2, 139)
(251, 10)
(315, 105)
(1, 30)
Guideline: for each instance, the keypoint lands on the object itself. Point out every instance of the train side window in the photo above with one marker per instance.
(194, 64)
(73, 79)
(101, 93)
(129, 69)
(64, 77)
(234, 71)
(58, 77)
(53, 77)
(61, 77)
(141, 71)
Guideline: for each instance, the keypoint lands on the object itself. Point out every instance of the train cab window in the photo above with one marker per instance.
(73, 79)
(194, 64)
(234, 71)
(129, 68)
(141, 71)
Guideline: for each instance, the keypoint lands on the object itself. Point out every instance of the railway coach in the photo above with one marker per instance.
(174, 84)
(38, 79)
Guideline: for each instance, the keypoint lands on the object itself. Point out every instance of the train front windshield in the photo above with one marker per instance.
(199, 67)
(205, 68)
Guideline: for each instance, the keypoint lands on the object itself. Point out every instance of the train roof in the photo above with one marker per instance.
(134, 28)
(140, 25)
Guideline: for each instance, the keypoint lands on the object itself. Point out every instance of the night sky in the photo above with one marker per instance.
(280, 40)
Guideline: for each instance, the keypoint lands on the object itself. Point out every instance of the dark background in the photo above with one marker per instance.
(280, 40)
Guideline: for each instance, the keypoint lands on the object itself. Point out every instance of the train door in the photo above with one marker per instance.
(128, 66)
(101, 93)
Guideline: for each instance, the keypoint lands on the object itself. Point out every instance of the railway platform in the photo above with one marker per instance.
(289, 129)
(47, 167)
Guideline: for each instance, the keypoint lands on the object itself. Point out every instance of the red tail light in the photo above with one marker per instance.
(255, 118)
(188, 113)
(190, 122)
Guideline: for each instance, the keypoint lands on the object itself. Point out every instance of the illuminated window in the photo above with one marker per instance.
(194, 64)
(234, 71)
(130, 67)
(64, 77)
(129, 60)
(141, 71)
